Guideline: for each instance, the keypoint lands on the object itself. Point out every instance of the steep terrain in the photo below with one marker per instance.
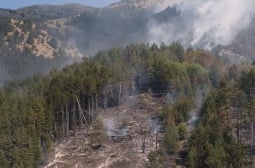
(155, 5)
(41, 34)
(241, 47)
(31, 38)
(106, 111)
(134, 105)
(49, 12)
(31, 42)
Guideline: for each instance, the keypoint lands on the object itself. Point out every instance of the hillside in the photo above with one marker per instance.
(33, 37)
(27, 48)
(49, 12)
(44, 33)
(140, 105)
(241, 46)
(138, 83)
(33, 109)
(33, 40)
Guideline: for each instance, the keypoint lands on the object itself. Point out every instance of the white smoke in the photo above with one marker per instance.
(162, 4)
(203, 23)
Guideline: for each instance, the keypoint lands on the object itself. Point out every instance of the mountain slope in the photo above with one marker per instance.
(28, 47)
(42, 34)
(70, 32)
(155, 5)
(242, 47)
(53, 11)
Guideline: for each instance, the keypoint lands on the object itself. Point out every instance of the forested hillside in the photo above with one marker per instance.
(38, 38)
(138, 83)
(31, 109)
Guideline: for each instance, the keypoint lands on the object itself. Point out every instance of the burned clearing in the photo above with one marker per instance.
(126, 135)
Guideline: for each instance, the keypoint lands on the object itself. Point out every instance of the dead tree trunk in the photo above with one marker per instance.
(63, 123)
(67, 121)
(74, 120)
(157, 140)
(143, 143)
(252, 133)
(96, 103)
(89, 111)
(92, 109)
(119, 95)
(81, 113)
(105, 98)
(79, 116)
(56, 130)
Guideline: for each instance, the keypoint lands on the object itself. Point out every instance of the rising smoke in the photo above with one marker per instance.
(202, 23)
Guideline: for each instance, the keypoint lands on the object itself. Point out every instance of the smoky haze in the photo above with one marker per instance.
(202, 23)
(199, 23)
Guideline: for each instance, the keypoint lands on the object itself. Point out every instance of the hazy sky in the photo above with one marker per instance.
(13, 4)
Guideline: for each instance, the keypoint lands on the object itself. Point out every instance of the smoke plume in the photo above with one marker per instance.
(202, 23)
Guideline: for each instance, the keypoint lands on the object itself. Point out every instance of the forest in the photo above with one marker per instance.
(31, 109)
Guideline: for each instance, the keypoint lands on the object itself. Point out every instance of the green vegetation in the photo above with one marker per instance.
(31, 109)
(182, 131)
(154, 160)
(170, 139)
(214, 142)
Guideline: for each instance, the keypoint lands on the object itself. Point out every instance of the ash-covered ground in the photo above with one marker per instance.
(120, 137)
